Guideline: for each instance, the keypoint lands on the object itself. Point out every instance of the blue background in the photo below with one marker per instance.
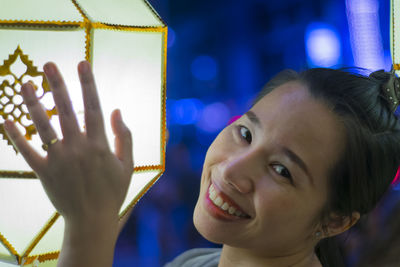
(220, 54)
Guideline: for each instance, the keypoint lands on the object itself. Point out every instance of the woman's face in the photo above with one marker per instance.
(264, 179)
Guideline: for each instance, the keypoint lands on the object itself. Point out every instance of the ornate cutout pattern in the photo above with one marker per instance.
(15, 71)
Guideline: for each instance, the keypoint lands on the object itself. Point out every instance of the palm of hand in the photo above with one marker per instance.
(84, 180)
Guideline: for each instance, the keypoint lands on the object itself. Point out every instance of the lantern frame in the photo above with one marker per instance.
(89, 26)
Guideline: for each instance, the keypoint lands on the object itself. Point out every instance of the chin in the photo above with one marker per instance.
(211, 227)
(204, 226)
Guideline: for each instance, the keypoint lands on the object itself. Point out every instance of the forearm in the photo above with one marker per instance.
(92, 245)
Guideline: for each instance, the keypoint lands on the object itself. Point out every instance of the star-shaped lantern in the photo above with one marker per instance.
(126, 43)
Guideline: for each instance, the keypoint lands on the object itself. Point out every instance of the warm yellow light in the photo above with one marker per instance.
(126, 43)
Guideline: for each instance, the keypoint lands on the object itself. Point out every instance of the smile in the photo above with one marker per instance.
(218, 200)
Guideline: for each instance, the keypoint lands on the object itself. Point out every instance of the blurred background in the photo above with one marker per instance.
(220, 54)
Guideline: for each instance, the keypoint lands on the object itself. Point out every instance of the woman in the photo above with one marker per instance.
(316, 151)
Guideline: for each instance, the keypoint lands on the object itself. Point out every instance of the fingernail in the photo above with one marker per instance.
(27, 87)
(84, 66)
(119, 116)
(49, 68)
(6, 125)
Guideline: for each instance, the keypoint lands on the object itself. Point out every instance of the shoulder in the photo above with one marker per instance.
(198, 257)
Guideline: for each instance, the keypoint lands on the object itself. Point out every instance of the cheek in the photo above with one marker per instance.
(279, 204)
(222, 146)
(276, 206)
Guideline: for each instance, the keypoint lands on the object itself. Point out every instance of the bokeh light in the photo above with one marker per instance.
(171, 37)
(365, 33)
(215, 117)
(323, 45)
(184, 111)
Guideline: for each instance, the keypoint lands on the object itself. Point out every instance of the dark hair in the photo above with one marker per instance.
(372, 150)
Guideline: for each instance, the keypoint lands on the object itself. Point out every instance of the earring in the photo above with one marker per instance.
(318, 234)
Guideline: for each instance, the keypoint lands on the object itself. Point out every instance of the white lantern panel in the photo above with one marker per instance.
(28, 209)
(7, 264)
(133, 88)
(51, 263)
(52, 240)
(68, 48)
(5, 255)
(42, 10)
(123, 12)
(140, 181)
(34, 211)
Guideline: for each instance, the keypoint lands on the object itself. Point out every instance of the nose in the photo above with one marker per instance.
(241, 170)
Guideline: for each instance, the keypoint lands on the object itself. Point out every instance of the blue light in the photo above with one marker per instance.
(185, 111)
(175, 134)
(323, 46)
(204, 68)
(365, 33)
(171, 37)
(214, 118)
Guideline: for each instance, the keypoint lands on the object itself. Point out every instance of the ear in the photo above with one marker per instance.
(339, 224)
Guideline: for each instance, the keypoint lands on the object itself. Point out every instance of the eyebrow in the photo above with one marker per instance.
(289, 153)
(253, 118)
(296, 159)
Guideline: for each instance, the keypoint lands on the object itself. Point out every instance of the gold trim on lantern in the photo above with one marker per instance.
(154, 12)
(18, 174)
(164, 101)
(42, 232)
(80, 10)
(88, 40)
(31, 71)
(148, 168)
(40, 23)
(140, 195)
(41, 258)
(118, 27)
(8, 246)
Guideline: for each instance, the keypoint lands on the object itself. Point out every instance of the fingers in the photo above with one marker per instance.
(93, 115)
(123, 140)
(31, 156)
(68, 121)
(38, 115)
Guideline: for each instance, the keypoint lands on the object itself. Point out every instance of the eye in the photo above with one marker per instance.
(245, 134)
(282, 171)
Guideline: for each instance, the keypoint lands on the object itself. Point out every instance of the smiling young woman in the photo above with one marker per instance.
(315, 152)
(273, 164)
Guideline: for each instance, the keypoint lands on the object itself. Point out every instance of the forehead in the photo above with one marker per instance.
(292, 117)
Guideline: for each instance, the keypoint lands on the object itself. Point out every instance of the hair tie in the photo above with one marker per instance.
(391, 91)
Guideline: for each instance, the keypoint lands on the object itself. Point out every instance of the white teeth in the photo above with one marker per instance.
(217, 200)
(212, 189)
(231, 210)
(213, 195)
(238, 213)
(225, 206)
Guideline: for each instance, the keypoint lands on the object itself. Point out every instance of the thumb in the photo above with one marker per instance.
(123, 140)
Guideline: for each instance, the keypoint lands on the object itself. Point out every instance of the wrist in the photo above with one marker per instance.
(89, 243)
(95, 230)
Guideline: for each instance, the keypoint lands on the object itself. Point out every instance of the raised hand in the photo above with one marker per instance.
(84, 180)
